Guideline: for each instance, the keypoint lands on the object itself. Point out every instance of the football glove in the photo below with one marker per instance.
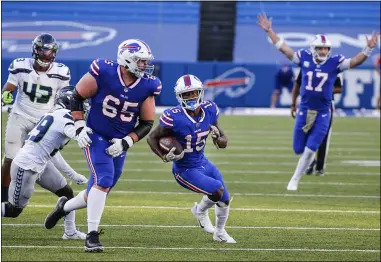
(82, 131)
(7, 97)
(119, 146)
(215, 134)
(171, 156)
(78, 178)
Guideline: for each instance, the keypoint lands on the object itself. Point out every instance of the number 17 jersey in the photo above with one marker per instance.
(318, 79)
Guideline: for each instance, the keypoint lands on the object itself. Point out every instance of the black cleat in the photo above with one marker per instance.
(320, 172)
(58, 213)
(92, 243)
(310, 169)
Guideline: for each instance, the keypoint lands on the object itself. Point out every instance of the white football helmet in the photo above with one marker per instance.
(185, 84)
(130, 52)
(320, 41)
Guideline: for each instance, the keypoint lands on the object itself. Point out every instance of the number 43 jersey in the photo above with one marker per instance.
(191, 132)
(115, 107)
(36, 90)
(52, 132)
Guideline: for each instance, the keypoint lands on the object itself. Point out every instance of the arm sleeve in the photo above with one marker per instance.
(60, 163)
(166, 119)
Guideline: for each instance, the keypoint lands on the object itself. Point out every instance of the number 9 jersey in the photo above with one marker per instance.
(36, 90)
(116, 107)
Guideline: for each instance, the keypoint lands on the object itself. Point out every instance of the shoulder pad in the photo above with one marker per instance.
(61, 71)
(168, 117)
(211, 107)
(98, 65)
(155, 85)
(20, 65)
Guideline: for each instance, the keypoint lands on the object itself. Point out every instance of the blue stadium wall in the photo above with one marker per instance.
(86, 32)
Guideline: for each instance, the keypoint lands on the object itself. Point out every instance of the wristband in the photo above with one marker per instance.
(367, 51)
(279, 44)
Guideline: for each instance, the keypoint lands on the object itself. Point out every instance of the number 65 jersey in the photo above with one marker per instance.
(116, 107)
(36, 90)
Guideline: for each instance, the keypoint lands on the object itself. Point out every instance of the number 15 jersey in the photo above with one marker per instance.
(36, 90)
(318, 79)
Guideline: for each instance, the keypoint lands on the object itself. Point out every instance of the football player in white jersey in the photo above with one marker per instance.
(37, 79)
(32, 163)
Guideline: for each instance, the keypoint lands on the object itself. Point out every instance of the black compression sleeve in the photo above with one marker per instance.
(76, 101)
(143, 128)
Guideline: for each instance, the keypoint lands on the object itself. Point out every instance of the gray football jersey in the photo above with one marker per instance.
(51, 133)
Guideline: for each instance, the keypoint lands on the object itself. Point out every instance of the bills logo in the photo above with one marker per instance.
(18, 36)
(233, 83)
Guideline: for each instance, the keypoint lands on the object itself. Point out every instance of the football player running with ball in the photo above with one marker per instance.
(190, 123)
(319, 71)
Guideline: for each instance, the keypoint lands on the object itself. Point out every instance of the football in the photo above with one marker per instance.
(166, 143)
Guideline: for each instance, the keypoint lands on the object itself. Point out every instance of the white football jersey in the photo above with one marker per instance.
(52, 132)
(36, 90)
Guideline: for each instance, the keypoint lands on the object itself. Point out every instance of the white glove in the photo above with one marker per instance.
(78, 178)
(82, 131)
(215, 134)
(119, 146)
(170, 156)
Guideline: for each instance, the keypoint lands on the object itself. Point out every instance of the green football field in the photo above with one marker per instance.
(147, 216)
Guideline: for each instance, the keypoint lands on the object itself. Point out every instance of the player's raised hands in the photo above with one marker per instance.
(264, 22)
(372, 42)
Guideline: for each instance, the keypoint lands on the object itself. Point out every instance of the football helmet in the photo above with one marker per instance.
(130, 52)
(44, 49)
(320, 41)
(185, 85)
(63, 97)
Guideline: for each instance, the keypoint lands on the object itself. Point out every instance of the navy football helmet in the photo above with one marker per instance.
(44, 49)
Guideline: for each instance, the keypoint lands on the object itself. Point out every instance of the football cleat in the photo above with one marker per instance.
(203, 219)
(320, 172)
(77, 235)
(58, 213)
(223, 236)
(310, 169)
(92, 243)
(293, 185)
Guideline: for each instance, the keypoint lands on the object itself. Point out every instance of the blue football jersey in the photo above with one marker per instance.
(191, 132)
(115, 107)
(318, 80)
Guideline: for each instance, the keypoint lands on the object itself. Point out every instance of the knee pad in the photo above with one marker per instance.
(12, 211)
(223, 203)
(66, 191)
(105, 182)
(298, 150)
(217, 195)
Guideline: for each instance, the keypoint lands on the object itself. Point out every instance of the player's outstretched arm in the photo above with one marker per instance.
(366, 52)
(146, 119)
(154, 138)
(220, 140)
(266, 24)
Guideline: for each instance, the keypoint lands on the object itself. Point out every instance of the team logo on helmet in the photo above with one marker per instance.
(132, 48)
(233, 83)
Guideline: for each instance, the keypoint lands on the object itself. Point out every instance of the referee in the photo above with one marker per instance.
(321, 155)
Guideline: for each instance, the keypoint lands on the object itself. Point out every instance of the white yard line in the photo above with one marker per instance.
(246, 172)
(233, 227)
(232, 194)
(207, 249)
(252, 182)
(236, 209)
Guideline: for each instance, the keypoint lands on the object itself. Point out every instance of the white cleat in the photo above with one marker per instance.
(203, 219)
(293, 185)
(77, 235)
(223, 237)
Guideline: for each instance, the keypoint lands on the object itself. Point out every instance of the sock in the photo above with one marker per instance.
(69, 222)
(205, 204)
(96, 201)
(2, 209)
(222, 214)
(304, 162)
(4, 194)
(75, 203)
